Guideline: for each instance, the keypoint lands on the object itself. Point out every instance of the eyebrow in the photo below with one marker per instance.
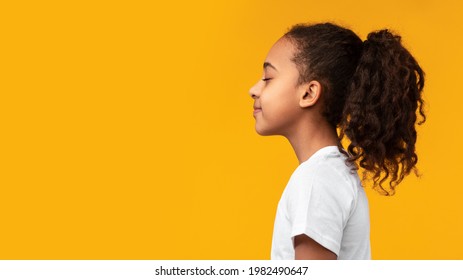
(268, 64)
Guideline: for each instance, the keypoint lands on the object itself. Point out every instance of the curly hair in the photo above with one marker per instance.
(372, 94)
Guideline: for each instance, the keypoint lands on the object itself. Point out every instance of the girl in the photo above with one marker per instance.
(319, 79)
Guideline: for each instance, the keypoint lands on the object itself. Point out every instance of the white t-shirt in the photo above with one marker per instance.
(326, 201)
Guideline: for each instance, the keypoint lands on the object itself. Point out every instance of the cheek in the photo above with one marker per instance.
(280, 101)
(280, 109)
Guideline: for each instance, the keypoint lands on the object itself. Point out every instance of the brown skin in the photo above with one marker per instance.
(293, 111)
(308, 249)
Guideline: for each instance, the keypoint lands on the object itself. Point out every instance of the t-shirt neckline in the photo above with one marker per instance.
(321, 151)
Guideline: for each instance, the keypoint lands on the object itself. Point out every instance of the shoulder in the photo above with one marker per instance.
(327, 177)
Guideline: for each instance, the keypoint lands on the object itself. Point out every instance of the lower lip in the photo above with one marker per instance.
(257, 111)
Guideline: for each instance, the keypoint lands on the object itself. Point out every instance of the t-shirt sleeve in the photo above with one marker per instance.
(320, 203)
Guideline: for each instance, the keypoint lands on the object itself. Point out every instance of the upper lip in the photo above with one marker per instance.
(256, 107)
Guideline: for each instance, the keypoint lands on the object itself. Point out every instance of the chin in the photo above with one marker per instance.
(264, 132)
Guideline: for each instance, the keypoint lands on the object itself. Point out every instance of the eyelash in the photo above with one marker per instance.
(266, 79)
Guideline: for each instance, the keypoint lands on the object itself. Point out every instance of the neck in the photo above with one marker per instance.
(310, 137)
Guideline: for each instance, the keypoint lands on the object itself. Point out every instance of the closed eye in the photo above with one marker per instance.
(266, 79)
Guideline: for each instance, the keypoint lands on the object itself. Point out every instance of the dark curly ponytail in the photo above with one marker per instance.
(372, 93)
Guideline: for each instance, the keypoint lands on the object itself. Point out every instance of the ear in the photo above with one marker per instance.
(311, 93)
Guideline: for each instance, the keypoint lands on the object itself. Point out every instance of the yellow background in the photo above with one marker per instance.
(127, 129)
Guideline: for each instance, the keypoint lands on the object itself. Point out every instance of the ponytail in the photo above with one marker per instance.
(381, 110)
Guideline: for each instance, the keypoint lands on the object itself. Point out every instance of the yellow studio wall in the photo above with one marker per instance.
(127, 129)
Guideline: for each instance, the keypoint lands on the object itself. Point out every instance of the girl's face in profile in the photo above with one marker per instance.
(276, 96)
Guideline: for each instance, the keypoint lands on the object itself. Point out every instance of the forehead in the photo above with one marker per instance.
(281, 53)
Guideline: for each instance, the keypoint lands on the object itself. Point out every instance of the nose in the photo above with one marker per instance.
(254, 91)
